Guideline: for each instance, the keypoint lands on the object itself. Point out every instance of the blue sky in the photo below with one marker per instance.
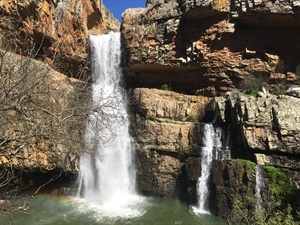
(117, 7)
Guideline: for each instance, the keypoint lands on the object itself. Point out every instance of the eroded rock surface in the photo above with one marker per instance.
(40, 130)
(268, 127)
(167, 134)
(57, 30)
(263, 130)
(210, 47)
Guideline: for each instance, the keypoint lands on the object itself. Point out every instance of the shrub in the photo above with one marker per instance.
(271, 215)
(166, 87)
(192, 117)
(251, 84)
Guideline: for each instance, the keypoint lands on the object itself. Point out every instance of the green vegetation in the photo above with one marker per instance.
(246, 164)
(270, 215)
(279, 183)
(181, 149)
(166, 87)
(178, 118)
(275, 209)
(192, 117)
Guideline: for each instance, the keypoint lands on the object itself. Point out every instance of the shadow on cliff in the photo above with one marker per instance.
(261, 40)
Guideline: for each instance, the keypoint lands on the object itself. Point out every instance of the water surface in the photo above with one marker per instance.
(46, 209)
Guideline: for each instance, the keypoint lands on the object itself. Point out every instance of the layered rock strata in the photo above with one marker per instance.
(267, 128)
(40, 108)
(263, 131)
(210, 47)
(43, 111)
(57, 31)
(165, 130)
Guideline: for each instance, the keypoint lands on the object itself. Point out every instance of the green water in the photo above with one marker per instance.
(47, 209)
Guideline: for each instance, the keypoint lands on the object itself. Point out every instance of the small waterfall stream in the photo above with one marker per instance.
(212, 149)
(107, 173)
(259, 184)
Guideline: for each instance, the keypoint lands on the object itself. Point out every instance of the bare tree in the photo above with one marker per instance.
(43, 114)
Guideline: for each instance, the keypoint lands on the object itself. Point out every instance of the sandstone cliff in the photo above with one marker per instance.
(164, 130)
(57, 30)
(210, 47)
(39, 112)
(44, 105)
(207, 48)
(193, 47)
(262, 131)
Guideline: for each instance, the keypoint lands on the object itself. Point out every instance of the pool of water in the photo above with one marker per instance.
(46, 209)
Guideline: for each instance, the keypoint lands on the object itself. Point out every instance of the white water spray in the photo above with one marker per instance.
(212, 149)
(258, 186)
(107, 177)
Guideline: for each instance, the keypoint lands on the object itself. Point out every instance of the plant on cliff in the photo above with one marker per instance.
(251, 84)
(166, 87)
(247, 165)
(275, 209)
(192, 117)
(151, 117)
(279, 183)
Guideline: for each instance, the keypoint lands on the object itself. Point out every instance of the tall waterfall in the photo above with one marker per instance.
(107, 177)
(212, 149)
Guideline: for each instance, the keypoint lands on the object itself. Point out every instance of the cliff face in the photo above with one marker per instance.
(210, 47)
(205, 48)
(43, 111)
(267, 128)
(165, 131)
(168, 129)
(40, 108)
(57, 30)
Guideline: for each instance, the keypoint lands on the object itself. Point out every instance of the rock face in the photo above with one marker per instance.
(210, 47)
(39, 110)
(165, 130)
(263, 131)
(267, 127)
(43, 111)
(57, 30)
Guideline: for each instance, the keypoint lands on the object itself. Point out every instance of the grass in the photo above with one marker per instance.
(280, 184)
(192, 117)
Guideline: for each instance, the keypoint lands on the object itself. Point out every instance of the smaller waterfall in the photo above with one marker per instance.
(206, 161)
(221, 153)
(259, 184)
(212, 150)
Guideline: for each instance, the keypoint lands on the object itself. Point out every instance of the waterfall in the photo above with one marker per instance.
(107, 177)
(212, 149)
(258, 186)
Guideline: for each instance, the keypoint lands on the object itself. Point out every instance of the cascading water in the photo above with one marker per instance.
(106, 171)
(212, 149)
(258, 186)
